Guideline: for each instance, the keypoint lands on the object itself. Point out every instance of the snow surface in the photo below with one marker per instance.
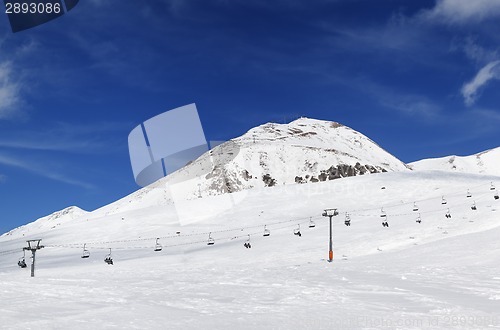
(486, 162)
(439, 274)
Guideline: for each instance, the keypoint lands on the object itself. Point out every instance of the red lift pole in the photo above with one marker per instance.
(330, 213)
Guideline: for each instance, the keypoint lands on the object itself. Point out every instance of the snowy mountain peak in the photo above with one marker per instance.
(71, 212)
(302, 151)
(300, 128)
(51, 221)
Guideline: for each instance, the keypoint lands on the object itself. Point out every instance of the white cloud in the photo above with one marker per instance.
(474, 51)
(487, 73)
(9, 91)
(462, 11)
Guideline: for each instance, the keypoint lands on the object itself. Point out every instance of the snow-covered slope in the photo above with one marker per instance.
(486, 162)
(51, 221)
(430, 273)
(409, 275)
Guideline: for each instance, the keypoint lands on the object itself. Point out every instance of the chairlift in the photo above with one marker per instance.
(108, 258)
(210, 241)
(382, 213)
(415, 207)
(297, 232)
(22, 261)
(492, 186)
(311, 223)
(158, 246)
(443, 201)
(469, 195)
(419, 219)
(347, 221)
(385, 223)
(473, 207)
(267, 232)
(496, 196)
(448, 214)
(247, 243)
(85, 253)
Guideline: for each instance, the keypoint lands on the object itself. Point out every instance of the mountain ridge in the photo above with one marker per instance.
(484, 162)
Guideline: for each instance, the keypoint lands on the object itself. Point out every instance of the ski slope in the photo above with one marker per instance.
(485, 162)
(438, 274)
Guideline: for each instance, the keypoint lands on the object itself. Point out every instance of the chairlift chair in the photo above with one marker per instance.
(311, 223)
(448, 214)
(158, 246)
(492, 186)
(22, 261)
(415, 207)
(210, 241)
(473, 207)
(382, 213)
(266, 231)
(384, 222)
(247, 243)
(297, 231)
(419, 219)
(347, 221)
(469, 195)
(496, 196)
(85, 253)
(109, 259)
(443, 201)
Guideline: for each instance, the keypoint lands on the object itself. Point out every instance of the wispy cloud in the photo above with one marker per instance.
(466, 12)
(409, 104)
(461, 11)
(2, 178)
(474, 51)
(75, 138)
(489, 116)
(34, 167)
(9, 91)
(471, 89)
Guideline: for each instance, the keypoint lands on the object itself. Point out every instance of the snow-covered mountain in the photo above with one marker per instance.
(486, 162)
(51, 221)
(421, 270)
(303, 151)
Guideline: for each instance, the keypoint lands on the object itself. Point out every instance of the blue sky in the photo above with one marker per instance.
(421, 78)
